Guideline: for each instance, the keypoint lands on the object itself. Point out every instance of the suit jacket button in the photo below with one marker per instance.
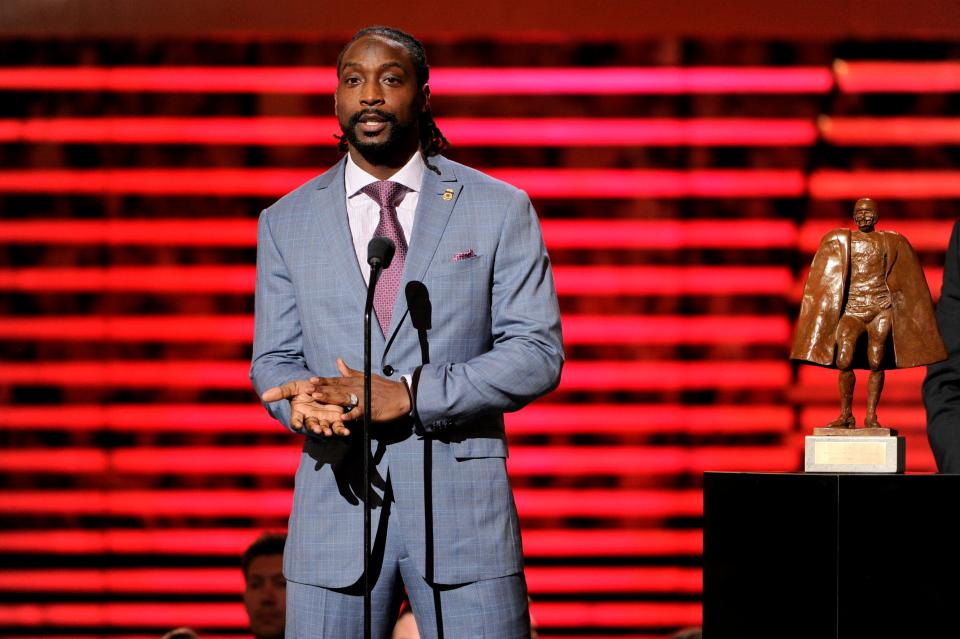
(388, 370)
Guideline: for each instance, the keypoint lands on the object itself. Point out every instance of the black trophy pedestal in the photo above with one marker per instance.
(831, 556)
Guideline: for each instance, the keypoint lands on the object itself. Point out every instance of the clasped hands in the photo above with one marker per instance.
(325, 405)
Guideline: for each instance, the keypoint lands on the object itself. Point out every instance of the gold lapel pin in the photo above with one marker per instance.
(447, 195)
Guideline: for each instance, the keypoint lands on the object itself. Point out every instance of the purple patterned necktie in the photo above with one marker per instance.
(388, 195)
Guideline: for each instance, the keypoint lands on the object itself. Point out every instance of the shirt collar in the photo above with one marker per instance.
(410, 175)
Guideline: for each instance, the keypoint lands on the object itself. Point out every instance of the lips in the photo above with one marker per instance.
(372, 122)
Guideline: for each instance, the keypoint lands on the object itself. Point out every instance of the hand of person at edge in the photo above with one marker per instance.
(321, 419)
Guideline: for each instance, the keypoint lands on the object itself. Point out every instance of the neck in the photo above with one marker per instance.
(383, 165)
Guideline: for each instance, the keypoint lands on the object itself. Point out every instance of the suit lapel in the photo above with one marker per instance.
(330, 206)
(438, 196)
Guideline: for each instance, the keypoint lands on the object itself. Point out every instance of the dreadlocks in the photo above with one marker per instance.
(432, 141)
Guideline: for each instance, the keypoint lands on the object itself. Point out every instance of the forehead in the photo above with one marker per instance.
(865, 204)
(376, 50)
(265, 565)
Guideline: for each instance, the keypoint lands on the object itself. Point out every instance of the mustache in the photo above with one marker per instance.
(386, 116)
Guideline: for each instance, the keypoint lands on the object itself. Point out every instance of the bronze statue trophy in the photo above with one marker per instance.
(865, 305)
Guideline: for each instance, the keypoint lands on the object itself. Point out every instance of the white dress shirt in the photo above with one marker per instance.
(363, 212)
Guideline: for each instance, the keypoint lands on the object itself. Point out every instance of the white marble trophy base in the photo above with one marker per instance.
(834, 450)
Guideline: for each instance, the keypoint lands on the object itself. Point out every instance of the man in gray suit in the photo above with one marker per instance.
(438, 444)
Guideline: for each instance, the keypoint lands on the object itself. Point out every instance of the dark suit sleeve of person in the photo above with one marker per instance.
(278, 340)
(941, 388)
(526, 356)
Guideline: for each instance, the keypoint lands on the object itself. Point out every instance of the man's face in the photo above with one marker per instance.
(378, 99)
(265, 596)
(865, 214)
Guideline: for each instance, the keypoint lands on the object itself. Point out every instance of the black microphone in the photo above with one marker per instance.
(418, 301)
(380, 252)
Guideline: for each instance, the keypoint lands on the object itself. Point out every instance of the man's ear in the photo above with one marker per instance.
(425, 92)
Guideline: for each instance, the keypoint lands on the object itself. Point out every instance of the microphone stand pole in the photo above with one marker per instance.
(375, 267)
(421, 311)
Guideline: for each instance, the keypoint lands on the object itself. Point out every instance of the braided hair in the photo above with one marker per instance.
(432, 141)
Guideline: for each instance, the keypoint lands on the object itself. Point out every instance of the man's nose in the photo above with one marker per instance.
(371, 94)
(268, 595)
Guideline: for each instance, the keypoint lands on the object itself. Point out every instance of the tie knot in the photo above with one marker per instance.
(386, 193)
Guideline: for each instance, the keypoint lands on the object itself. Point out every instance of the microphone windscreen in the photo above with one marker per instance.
(380, 252)
(418, 302)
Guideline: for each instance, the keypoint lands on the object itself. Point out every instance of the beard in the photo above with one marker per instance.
(397, 135)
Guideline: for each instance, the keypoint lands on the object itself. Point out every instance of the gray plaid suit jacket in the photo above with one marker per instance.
(495, 345)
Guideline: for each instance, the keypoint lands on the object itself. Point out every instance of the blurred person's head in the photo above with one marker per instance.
(181, 633)
(265, 593)
(406, 626)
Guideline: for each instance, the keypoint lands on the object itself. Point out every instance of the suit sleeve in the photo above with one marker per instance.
(941, 388)
(527, 349)
(277, 341)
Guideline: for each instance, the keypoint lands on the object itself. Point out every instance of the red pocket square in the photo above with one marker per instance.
(463, 255)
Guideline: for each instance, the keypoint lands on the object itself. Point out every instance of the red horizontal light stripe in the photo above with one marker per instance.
(618, 614)
(817, 384)
(607, 329)
(649, 418)
(233, 541)
(246, 418)
(125, 580)
(130, 374)
(570, 280)
(124, 614)
(897, 77)
(558, 234)
(540, 418)
(233, 616)
(97, 635)
(126, 328)
(179, 541)
(609, 580)
(615, 504)
(577, 376)
(608, 503)
(166, 232)
(649, 183)
(615, 542)
(539, 183)
(671, 280)
(577, 329)
(667, 234)
(834, 185)
(924, 235)
(462, 131)
(444, 81)
(283, 460)
(911, 131)
(671, 375)
(229, 581)
(121, 279)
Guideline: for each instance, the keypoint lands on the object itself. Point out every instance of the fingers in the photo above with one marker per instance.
(287, 391)
(346, 371)
(345, 398)
(278, 392)
(320, 419)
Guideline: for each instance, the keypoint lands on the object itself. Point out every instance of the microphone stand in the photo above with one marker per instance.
(379, 254)
(421, 311)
